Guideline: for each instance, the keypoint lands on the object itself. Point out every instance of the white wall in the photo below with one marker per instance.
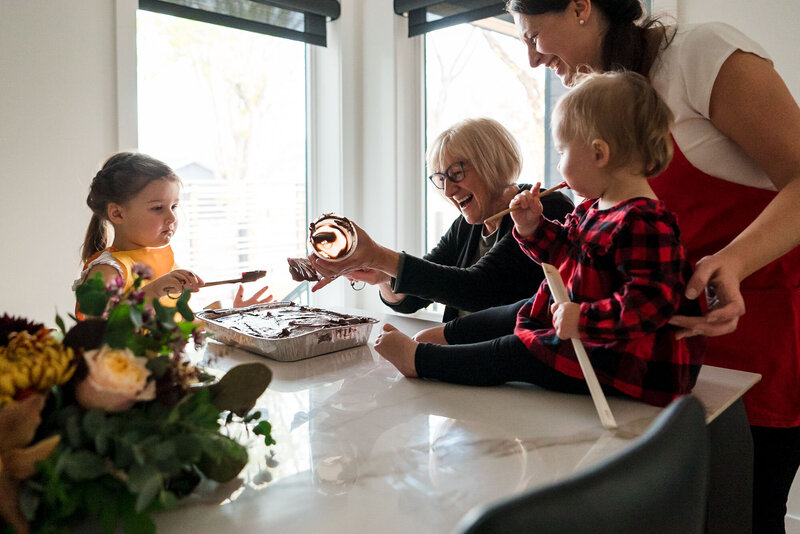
(57, 123)
(773, 24)
(61, 115)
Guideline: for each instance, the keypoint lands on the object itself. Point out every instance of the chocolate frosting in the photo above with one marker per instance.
(286, 321)
(301, 269)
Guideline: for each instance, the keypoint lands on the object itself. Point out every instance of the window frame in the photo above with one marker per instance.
(344, 109)
(127, 129)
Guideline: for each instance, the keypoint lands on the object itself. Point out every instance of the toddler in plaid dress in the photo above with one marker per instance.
(620, 254)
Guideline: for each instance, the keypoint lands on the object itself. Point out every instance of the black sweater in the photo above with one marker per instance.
(502, 276)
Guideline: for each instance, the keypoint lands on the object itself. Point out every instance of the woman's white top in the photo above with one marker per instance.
(684, 74)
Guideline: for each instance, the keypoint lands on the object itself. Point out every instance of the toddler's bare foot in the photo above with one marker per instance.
(398, 348)
(431, 335)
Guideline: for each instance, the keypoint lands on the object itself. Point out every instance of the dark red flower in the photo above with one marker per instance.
(9, 324)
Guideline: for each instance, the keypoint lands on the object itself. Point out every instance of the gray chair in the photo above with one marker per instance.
(657, 486)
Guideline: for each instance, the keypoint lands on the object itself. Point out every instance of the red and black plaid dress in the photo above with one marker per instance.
(626, 266)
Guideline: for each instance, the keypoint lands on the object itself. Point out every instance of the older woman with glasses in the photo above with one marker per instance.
(477, 264)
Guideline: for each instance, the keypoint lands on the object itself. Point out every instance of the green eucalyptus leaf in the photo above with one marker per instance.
(158, 366)
(136, 316)
(137, 523)
(187, 329)
(239, 389)
(123, 455)
(101, 443)
(94, 497)
(138, 454)
(119, 328)
(140, 344)
(84, 465)
(264, 428)
(164, 314)
(222, 458)
(92, 296)
(167, 500)
(109, 512)
(188, 448)
(93, 422)
(29, 502)
(146, 482)
(61, 325)
(163, 450)
(183, 306)
(72, 428)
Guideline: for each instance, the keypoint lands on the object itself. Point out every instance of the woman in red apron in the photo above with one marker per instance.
(734, 184)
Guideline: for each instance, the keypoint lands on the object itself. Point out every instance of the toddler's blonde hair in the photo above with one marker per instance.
(622, 109)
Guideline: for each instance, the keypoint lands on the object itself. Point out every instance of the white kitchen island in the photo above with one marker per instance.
(362, 449)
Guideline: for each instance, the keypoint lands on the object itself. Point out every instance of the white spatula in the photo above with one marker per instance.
(559, 291)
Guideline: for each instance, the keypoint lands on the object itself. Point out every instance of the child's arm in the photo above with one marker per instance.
(109, 272)
(651, 260)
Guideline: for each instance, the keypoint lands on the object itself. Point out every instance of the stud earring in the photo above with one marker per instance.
(581, 22)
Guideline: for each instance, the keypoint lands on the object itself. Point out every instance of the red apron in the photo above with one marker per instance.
(711, 212)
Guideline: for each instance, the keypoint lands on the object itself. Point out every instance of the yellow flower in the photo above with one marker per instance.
(116, 380)
(33, 362)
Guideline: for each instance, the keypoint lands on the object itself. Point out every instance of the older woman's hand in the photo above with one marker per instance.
(718, 277)
(370, 276)
(368, 256)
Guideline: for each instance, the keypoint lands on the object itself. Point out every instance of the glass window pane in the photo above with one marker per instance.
(475, 72)
(225, 108)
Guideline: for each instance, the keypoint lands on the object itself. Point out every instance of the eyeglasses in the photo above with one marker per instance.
(455, 173)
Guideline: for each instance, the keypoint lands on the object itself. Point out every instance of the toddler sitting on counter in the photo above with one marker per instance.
(620, 253)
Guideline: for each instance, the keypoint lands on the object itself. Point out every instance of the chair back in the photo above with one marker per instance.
(657, 486)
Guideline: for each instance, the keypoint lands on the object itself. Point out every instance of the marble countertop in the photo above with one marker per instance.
(360, 448)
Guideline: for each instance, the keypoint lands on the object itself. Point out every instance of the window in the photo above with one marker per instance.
(225, 108)
(473, 71)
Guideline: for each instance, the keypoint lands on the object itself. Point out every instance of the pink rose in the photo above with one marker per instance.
(116, 380)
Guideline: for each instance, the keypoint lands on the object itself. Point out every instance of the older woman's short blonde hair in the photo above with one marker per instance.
(488, 147)
(623, 109)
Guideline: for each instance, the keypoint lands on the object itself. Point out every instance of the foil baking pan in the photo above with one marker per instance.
(285, 331)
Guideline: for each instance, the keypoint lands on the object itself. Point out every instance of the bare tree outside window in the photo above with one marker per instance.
(475, 72)
(226, 109)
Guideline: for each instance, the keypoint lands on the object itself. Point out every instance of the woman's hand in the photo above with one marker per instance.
(367, 256)
(369, 276)
(566, 317)
(527, 212)
(240, 302)
(173, 283)
(718, 278)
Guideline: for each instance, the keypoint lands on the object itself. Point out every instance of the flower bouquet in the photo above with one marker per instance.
(108, 421)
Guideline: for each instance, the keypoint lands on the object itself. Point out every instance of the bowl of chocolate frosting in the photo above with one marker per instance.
(332, 238)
